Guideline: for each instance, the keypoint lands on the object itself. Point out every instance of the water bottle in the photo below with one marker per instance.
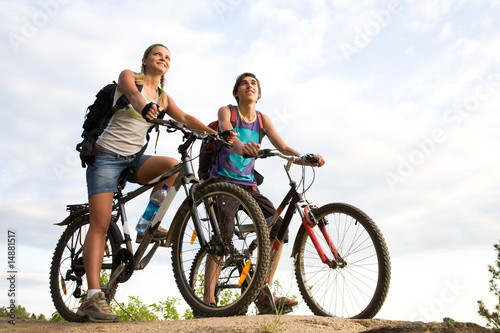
(154, 204)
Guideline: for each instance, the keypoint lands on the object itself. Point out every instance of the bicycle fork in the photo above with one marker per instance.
(309, 225)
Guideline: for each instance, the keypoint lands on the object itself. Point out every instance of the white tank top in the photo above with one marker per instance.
(126, 130)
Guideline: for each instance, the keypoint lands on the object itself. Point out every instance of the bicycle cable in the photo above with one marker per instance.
(302, 181)
(303, 178)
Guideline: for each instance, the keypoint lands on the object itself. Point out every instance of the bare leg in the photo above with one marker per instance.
(212, 272)
(274, 267)
(155, 166)
(93, 248)
(100, 206)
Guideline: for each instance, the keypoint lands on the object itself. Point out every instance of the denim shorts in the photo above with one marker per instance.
(103, 175)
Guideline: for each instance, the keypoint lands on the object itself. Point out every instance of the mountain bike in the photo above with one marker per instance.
(193, 230)
(341, 260)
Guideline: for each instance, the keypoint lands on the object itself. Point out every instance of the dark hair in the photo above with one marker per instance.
(239, 79)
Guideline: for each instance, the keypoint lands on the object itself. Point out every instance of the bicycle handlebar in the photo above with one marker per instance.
(265, 153)
(170, 123)
(173, 126)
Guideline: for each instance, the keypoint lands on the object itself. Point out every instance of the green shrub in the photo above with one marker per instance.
(493, 317)
(134, 310)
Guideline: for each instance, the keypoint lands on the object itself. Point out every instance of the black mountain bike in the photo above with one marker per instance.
(342, 264)
(193, 234)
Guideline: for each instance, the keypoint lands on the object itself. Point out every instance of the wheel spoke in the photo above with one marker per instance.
(68, 281)
(232, 290)
(356, 290)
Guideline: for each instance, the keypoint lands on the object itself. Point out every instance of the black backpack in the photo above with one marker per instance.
(97, 117)
(209, 149)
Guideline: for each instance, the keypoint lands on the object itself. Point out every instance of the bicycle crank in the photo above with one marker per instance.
(123, 266)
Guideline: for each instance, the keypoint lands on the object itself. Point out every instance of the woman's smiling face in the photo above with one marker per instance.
(157, 60)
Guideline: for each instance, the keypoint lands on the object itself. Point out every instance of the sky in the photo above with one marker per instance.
(399, 97)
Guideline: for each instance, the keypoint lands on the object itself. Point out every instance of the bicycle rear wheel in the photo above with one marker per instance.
(243, 259)
(68, 281)
(356, 290)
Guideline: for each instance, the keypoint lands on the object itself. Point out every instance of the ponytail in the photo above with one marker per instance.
(162, 98)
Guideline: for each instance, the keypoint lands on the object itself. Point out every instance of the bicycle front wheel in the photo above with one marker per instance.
(356, 288)
(68, 282)
(243, 260)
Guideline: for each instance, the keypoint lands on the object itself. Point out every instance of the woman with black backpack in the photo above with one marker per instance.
(116, 149)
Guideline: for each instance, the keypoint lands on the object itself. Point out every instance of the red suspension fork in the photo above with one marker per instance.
(306, 221)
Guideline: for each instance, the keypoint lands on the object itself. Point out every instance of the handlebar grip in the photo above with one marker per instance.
(264, 153)
(156, 121)
(311, 158)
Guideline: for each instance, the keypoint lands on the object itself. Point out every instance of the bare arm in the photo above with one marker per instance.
(224, 117)
(126, 84)
(192, 122)
(276, 139)
(280, 144)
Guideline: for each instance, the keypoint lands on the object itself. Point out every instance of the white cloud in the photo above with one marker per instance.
(446, 32)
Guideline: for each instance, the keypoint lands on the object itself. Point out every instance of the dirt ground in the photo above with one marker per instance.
(254, 324)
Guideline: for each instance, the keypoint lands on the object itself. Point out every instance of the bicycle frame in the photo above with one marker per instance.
(185, 178)
(296, 202)
(194, 234)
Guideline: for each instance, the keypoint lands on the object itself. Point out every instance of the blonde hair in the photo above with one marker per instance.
(140, 78)
(163, 98)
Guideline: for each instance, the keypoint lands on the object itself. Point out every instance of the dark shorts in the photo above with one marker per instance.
(103, 175)
(231, 206)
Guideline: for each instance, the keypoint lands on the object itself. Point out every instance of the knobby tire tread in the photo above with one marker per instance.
(59, 304)
(380, 245)
(181, 218)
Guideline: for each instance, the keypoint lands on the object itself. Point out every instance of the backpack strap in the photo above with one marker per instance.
(262, 131)
(233, 110)
(123, 100)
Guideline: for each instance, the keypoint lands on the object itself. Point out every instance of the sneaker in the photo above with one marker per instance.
(283, 305)
(160, 234)
(97, 309)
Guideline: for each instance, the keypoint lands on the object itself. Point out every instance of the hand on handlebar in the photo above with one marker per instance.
(310, 159)
(315, 160)
(251, 149)
(229, 136)
(151, 111)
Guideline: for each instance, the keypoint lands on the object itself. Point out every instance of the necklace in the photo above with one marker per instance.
(244, 119)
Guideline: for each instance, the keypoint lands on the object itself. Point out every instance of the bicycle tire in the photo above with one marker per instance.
(229, 275)
(357, 290)
(188, 258)
(67, 275)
